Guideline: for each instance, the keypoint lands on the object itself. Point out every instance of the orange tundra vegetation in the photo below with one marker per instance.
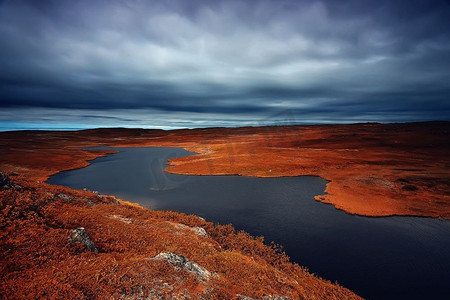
(40, 261)
(374, 170)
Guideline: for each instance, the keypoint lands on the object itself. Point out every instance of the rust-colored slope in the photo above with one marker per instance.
(40, 259)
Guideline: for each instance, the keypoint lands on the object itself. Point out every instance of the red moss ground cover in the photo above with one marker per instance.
(40, 261)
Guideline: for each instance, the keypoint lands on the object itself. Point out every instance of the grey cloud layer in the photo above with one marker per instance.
(324, 60)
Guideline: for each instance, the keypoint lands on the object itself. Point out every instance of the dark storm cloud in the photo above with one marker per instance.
(226, 60)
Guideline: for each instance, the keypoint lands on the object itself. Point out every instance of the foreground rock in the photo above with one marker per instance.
(196, 230)
(181, 262)
(64, 197)
(5, 183)
(80, 235)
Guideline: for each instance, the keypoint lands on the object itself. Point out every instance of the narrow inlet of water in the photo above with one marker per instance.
(378, 258)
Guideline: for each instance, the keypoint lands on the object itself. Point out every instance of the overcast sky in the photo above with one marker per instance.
(172, 64)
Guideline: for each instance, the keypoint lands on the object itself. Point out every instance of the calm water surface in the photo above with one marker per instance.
(378, 258)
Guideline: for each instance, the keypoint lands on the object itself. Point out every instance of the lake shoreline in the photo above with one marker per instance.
(227, 263)
(283, 210)
(365, 178)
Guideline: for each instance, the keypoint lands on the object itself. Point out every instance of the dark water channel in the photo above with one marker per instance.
(378, 258)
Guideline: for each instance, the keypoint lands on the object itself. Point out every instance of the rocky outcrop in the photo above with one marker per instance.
(196, 230)
(64, 197)
(121, 219)
(200, 231)
(80, 235)
(276, 297)
(242, 297)
(181, 262)
(5, 183)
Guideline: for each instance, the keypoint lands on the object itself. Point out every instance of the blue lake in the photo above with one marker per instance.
(378, 258)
